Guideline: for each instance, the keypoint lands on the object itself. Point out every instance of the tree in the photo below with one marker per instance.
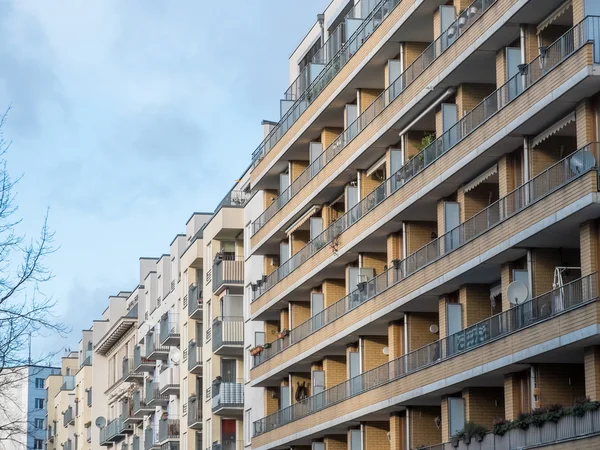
(25, 311)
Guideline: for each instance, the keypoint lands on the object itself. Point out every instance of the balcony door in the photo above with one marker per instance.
(228, 434)
(228, 370)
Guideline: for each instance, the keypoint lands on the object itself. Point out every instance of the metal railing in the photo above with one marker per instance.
(567, 428)
(139, 360)
(554, 177)
(68, 445)
(138, 402)
(227, 270)
(169, 377)
(68, 383)
(234, 199)
(112, 429)
(153, 395)
(529, 313)
(226, 394)
(194, 300)
(168, 429)
(194, 354)
(135, 443)
(431, 53)
(228, 331)
(491, 105)
(169, 327)
(68, 417)
(150, 438)
(194, 411)
(227, 444)
(87, 361)
(129, 367)
(331, 69)
(153, 344)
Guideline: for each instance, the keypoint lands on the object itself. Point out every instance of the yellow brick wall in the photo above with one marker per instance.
(271, 329)
(418, 234)
(367, 184)
(366, 97)
(300, 312)
(376, 261)
(578, 10)
(284, 319)
(394, 247)
(423, 430)
(335, 369)
(560, 384)
(506, 278)
(336, 442)
(418, 329)
(588, 242)
(531, 43)
(329, 215)
(460, 5)
(468, 96)
(592, 372)
(508, 180)
(483, 405)
(271, 400)
(412, 50)
(516, 394)
(372, 354)
(333, 290)
(501, 67)
(299, 239)
(586, 123)
(437, 24)
(328, 135)
(398, 431)
(543, 262)
(444, 415)
(549, 152)
(299, 378)
(395, 340)
(296, 168)
(269, 267)
(375, 435)
(476, 199)
(413, 143)
(475, 301)
(270, 195)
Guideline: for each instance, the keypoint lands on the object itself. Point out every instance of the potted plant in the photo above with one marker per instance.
(462, 18)
(267, 345)
(283, 333)
(256, 350)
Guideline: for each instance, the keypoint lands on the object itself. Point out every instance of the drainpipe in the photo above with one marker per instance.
(522, 34)
(321, 20)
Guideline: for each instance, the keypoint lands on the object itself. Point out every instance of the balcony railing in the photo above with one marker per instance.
(431, 53)
(227, 270)
(565, 46)
(68, 445)
(69, 417)
(154, 396)
(227, 332)
(195, 302)
(141, 363)
(168, 429)
(567, 428)
(68, 383)
(169, 329)
(332, 68)
(227, 395)
(227, 444)
(140, 407)
(234, 199)
(553, 178)
(87, 361)
(113, 431)
(130, 372)
(194, 357)
(194, 414)
(169, 380)
(154, 348)
(150, 439)
(135, 443)
(529, 313)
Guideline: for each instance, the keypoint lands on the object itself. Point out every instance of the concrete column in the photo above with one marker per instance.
(398, 430)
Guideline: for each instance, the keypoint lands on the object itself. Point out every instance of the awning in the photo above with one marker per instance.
(554, 15)
(495, 291)
(553, 129)
(481, 178)
(375, 167)
(302, 220)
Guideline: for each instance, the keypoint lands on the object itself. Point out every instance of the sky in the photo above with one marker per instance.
(129, 115)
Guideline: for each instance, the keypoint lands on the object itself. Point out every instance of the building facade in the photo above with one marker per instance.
(423, 252)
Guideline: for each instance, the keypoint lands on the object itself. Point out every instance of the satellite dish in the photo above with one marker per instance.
(517, 292)
(581, 162)
(434, 329)
(175, 356)
(100, 422)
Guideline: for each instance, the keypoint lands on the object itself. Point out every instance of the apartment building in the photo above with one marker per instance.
(61, 410)
(422, 249)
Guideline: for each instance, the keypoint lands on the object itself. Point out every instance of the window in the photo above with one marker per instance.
(37, 444)
(248, 424)
(38, 423)
(39, 383)
(39, 403)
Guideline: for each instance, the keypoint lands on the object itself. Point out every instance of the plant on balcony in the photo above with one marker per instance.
(256, 350)
(87, 424)
(470, 430)
(283, 333)
(335, 243)
(426, 141)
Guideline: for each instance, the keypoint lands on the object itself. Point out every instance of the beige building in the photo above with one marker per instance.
(423, 246)
(63, 406)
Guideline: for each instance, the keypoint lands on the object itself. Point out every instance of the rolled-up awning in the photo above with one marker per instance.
(553, 129)
(554, 16)
(302, 220)
(495, 291)
(481, 178)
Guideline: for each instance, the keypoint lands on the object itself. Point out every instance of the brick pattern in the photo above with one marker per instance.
(296, 168)
(328, 135)
(506, 278)
(437, 24)
(270, 195)
(507, 174)
(377, 261)
(394, 247)
(531, 42)
(476, 199)
(423, 430)
(550, 152)
(592, 372)
(372, 352)
(412, 143)
(483, 405)
(398, 430)
(329, 215)
(333, 290)
(284, 319)
(588, 244)
(418, 329)
(271, 400)
(367, 184)
(271, 329)
(442, 302)
(578, 10)
(516, 394)
(366, 97)
(395, 339)
(444, 415)
(476, 303)
(418, 234)
(300, 312)
(501, 67)
(412, 50)
(335, 369)
(560, 384)
(299, 378)
(585, 119)
(375, 435)
(336, 442)
(552, 329)
(269, 266)
(468, 96)
(299, 239)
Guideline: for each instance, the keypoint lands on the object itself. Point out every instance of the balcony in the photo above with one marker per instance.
(495, 329)
(194, 358)
(170, 445)
(126, 427)
(154, 396)
(195, 302)
(69, 417)
(168, 430)
(68, 445)
(150, 439)
(154, 349)
(87, 361)
(227, 445)
(140, 408)
(117, 331)
(130, 373)
(227, 397)
(141, 363)
(68, 383)
(135, 443)
(228, 335)
(114, 432)
(169, 329)
(194, 414)
(227, 271)
(234, 199)
(169, 381)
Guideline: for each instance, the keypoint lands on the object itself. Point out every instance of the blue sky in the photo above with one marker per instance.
(128, 115)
